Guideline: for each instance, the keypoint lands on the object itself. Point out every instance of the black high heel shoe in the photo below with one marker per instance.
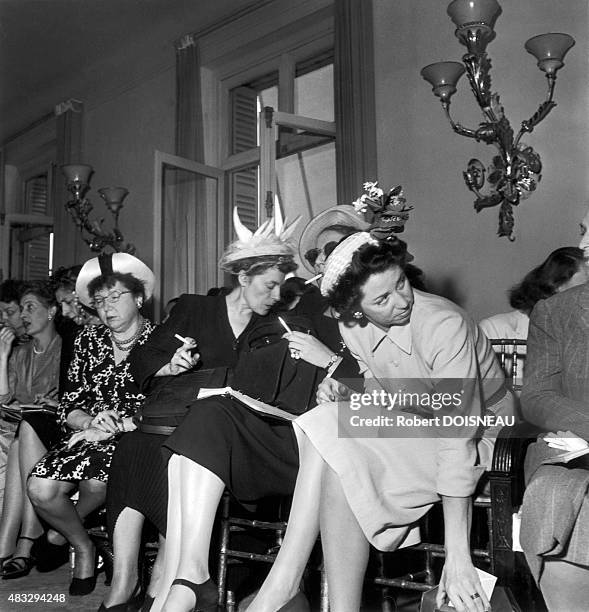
(85, 586)
(16, 567)
(133, 603)
(206, 594)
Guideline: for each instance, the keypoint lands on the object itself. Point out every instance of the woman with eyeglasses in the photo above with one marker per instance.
(98, 403)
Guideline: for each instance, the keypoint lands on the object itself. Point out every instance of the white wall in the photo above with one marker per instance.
(457, 248)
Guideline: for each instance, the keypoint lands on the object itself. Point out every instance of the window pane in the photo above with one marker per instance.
(306, 186)
(314, 94)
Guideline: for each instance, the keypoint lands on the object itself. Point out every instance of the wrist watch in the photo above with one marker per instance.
(331, 361)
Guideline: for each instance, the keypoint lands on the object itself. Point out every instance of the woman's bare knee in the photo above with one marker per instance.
(42, 491)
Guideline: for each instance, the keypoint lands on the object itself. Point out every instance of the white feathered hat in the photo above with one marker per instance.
(271, 239)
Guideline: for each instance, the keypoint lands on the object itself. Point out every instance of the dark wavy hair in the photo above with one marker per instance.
(369, 259)
(108, 281)
(11, 290)
(545, 279)
(42, 289)
(65, 278)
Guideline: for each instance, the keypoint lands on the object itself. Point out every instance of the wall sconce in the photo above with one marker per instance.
(516, 170)
(94, 235)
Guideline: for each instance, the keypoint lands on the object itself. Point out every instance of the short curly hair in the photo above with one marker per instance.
(11, 290)
(369, 259)
(43, 290)
(544, 280)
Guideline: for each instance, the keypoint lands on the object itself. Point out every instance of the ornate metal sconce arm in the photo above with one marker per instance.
(457, 127)
(542, 112)
(79, 207)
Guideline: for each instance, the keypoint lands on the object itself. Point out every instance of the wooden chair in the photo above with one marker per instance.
(501, 495)
(231, 554)
(511, 353)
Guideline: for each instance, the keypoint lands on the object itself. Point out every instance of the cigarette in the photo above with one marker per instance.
(182, 339)
(316, 277)
(283, 322)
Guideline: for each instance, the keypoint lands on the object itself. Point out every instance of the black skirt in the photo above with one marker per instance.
(45, 426)
(254, 456)
(138, 479)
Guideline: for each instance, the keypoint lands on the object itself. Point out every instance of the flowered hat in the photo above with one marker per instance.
(341, 257)
(390, 212)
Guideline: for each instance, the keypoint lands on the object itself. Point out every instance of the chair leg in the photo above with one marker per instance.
(324, 601)
(222, 569)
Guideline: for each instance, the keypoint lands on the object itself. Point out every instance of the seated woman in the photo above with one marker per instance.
(199, 342)
(562, 269)
(30, 376)
(98, 403)
(370, 485)
(555, 397)
(251, 455)
(10, 292)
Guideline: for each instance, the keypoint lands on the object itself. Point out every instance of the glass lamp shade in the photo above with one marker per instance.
(467, 12)
(549, 50)
(77, 173)
(474, 21)
(443, 77)
(113, 197)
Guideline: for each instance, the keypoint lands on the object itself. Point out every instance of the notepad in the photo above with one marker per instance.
(248, 402)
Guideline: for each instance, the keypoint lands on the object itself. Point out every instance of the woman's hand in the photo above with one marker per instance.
(108, 421)
(92, 434)
(128, 424)
(461, 585)
(184, 358)
(7, 337)
(308, 348)
(330, 390)
(47, 399)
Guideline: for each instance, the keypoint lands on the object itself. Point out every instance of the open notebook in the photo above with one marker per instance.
(248, 402)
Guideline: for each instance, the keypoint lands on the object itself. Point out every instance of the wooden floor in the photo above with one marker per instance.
(49, 591)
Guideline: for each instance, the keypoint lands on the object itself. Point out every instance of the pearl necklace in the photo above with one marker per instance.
(127, 344)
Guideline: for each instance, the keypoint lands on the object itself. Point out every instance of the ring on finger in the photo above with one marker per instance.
(475, 596)
(295, 353)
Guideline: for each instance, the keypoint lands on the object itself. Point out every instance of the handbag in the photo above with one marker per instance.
(266, 371)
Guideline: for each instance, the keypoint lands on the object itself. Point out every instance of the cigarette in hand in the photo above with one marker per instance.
(182, 339)
(283, 323)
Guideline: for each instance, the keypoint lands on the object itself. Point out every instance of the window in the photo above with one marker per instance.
(301, 173)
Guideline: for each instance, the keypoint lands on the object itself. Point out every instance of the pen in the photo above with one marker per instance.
(283, 323)
(316, 277)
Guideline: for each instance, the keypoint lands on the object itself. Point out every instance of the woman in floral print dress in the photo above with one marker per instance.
(99, 400)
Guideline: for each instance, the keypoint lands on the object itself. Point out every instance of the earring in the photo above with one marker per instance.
(139, 303)
(358, 314)
(49, 317)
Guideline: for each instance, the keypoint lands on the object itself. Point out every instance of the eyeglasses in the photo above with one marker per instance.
(111, 298)
(313, 254)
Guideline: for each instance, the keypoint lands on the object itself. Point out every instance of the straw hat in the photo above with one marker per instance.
(344, 214)
(113, 262)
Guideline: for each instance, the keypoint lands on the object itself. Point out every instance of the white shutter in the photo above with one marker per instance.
(244, 136)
